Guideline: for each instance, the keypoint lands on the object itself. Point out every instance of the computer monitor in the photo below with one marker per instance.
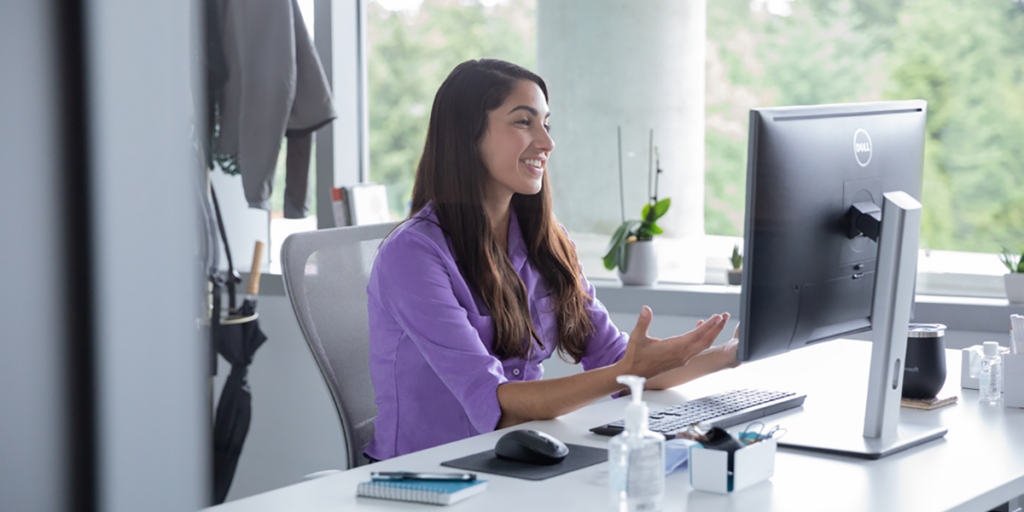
(816, 177)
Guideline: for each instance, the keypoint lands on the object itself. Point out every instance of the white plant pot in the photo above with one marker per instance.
(641, 264)
(1014, 287)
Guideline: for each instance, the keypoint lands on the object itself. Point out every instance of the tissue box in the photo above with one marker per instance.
(752, 464)
(1013, 380)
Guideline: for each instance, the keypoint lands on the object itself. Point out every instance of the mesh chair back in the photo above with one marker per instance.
(325, 277)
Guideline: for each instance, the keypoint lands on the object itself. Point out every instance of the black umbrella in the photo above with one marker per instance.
(236, 337)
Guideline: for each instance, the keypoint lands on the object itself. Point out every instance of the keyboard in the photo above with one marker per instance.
(723, 410)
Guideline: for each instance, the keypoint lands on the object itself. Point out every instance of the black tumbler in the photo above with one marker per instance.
(924, 372)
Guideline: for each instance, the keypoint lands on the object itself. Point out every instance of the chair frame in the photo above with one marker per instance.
(297, 248)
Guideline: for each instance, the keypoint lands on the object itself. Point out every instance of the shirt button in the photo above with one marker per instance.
(515, 372)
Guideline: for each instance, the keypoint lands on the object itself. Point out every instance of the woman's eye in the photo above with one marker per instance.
(547, 127)
(524, 122)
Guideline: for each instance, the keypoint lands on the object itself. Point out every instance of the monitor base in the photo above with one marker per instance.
(853, 444)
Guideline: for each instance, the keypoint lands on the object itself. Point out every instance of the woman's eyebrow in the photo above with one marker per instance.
(531, 110)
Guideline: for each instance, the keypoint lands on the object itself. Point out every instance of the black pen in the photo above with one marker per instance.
(407, 475)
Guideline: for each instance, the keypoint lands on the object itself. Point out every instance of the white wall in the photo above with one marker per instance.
(295, 428)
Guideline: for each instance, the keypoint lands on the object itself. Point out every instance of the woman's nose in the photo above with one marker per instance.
(545, 142)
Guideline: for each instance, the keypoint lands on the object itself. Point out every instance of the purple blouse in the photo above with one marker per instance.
(431, 359)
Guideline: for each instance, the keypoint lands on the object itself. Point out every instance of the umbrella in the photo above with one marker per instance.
(236, 337)
(239, 338)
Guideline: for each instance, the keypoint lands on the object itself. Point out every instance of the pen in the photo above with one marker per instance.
(407, 475)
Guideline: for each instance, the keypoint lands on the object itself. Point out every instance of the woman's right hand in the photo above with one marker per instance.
(649, 357)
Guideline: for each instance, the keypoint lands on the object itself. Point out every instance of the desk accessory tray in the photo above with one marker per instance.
(1013, 380)
(752, 464)
(966, 381)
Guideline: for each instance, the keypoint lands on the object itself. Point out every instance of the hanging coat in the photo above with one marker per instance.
(275, 87)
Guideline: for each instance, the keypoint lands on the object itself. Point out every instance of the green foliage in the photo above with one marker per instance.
(615, 254)
(736, 259)
(640, 230)
(1012, 261)
(965, 58)
(410, 55)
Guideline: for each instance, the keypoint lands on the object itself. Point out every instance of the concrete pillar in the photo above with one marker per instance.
(638, 64)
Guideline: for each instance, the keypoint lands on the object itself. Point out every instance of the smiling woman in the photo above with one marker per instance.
(515, 148)
(481, 284)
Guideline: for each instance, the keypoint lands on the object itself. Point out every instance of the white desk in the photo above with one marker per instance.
(977, 466)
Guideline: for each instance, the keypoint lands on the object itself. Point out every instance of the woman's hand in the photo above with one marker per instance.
(725, 354)
(648, 357)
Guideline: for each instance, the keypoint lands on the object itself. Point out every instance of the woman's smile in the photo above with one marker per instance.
(534, 165)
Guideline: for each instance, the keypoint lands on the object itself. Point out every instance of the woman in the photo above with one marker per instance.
(480, 285)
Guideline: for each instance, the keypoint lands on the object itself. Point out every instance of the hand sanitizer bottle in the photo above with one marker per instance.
(636, 458)
(991, 379)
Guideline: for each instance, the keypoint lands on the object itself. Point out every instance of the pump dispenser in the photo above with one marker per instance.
(990, 381)
(636, 457)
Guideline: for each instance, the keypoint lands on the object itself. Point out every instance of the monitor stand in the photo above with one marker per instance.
(890, 316)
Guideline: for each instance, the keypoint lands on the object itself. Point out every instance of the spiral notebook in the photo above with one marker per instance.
(421, 491)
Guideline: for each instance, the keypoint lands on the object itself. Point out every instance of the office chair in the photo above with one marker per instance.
(325, 276)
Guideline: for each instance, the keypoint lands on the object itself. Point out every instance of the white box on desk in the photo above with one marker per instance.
(1013, 380)
(966, 381)
(752, 464)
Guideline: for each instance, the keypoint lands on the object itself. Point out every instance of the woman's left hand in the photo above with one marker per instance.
(725, 353)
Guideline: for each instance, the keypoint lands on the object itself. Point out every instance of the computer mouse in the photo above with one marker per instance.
(531, 447)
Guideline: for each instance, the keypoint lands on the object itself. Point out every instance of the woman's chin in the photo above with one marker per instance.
(530, 189)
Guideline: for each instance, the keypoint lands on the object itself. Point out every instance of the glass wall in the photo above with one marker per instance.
(965, 58)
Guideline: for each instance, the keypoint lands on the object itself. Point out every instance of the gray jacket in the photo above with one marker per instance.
(275, 87)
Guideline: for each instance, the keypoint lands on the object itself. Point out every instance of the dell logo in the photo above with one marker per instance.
(862, 147)
(912, 370)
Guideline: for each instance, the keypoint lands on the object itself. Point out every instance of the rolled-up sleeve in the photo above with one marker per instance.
(416, 289)
(607, 344)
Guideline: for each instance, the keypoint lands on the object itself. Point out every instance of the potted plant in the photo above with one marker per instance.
(736, 274)
(1014, 281)
(631, 249)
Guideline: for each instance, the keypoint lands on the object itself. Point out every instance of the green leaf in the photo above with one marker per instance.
(616, 237)
(609, 261)
(616, 251)
(655, 229)
(645, 211)
(736, 259)
(620, 257)
(661, 207)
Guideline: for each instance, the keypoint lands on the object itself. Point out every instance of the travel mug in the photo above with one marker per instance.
(924, 372)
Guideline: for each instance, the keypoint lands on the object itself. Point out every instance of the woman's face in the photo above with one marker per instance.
(516, 144)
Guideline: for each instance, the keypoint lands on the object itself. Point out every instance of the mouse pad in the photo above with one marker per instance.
(486, 462)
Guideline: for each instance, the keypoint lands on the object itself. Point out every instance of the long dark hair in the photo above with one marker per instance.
(452, 175)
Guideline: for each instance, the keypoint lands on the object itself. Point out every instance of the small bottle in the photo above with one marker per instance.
(991, 378)
(636, 458)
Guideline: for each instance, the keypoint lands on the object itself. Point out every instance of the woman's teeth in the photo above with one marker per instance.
(534, 162)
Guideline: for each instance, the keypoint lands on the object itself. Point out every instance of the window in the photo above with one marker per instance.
(965, 59)
(413, 45)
